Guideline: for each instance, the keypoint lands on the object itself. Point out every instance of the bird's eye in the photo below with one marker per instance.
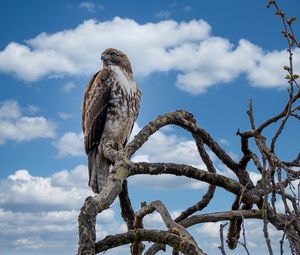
(113, 55)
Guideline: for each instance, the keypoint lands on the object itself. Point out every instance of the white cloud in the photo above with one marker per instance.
(70, 144)
(224, 141)
(255, 176)
(29, 64)
(65, 115)
(187, 8)
(224, 170)
(32, 109)
(202, 60)
(40, 213)
(91, 7)
(269, 64)
(210, 229)
(69, 178)
(166, 182)
(16, 127)
(292, 190)
(155, 221)
(162, 147)
(68, 87)
(134, 132)
(163, 14)
(10, 110)
(47, 209)
(208, 236)
(65, 189)
(78, 51)
(20, 175)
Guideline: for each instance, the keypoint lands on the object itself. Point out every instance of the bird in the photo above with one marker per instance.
(110, 108)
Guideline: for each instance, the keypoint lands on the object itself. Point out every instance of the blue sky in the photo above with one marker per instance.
(207, 57)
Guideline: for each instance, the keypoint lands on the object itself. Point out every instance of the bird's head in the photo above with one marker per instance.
(116, 57)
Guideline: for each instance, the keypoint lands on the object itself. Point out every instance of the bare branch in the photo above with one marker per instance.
(221, 247)
(198, 206)
(172, 225)
(155, 248)
(277, 175)
(98, 203)
(157, 236)
(126, 207)
(191, 172)
(186, 121)
(221, 216)
(244, 243)
(211, 189)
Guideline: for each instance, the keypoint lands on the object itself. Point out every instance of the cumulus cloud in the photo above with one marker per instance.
(166, 182)
(68, 87)
(91, 7)
(16, 127)
(255, 176)
(155, 221)
(34, 64)
(201, 60)
(163, 14)
(26, 192)
(65, 189)
(76, 177)
(224, 170)
(32, 109)
(210, 228)
(188, 8)
(164, 147)
(47, 207)
(65, 115)
(40, 213)
(10, 110)
(70, 144)
(209, 236)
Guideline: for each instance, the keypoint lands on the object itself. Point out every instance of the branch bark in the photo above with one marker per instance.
(171, 225)
(157, 236)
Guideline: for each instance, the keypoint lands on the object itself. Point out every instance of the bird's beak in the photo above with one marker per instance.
(105, 57)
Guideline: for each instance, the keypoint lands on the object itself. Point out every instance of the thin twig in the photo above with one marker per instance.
(244, 243)
(221, 247)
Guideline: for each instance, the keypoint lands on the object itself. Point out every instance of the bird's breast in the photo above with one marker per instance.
(123, 106)
(124, 80)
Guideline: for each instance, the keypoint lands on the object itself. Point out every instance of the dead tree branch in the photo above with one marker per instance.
(277, 182)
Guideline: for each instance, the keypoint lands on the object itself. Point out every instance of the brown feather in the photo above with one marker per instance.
(94, 111)
(95, 103)
(110, 107)
(91, 160)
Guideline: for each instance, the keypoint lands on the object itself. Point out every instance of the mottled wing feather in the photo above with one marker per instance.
(94, 109)
(137, 107)
(86, 99)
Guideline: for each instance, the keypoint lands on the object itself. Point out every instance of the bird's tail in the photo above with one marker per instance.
(98, 170)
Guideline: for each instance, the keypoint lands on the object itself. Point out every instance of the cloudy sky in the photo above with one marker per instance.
(208, 57)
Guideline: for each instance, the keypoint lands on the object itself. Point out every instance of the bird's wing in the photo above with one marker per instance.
(94, 109)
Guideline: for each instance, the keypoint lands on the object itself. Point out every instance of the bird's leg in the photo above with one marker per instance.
(108, 149)
(116, 147)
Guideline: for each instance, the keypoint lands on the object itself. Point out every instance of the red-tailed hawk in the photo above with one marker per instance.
(110, 107)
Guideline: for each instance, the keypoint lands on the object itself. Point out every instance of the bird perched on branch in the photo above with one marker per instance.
(110, 107)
